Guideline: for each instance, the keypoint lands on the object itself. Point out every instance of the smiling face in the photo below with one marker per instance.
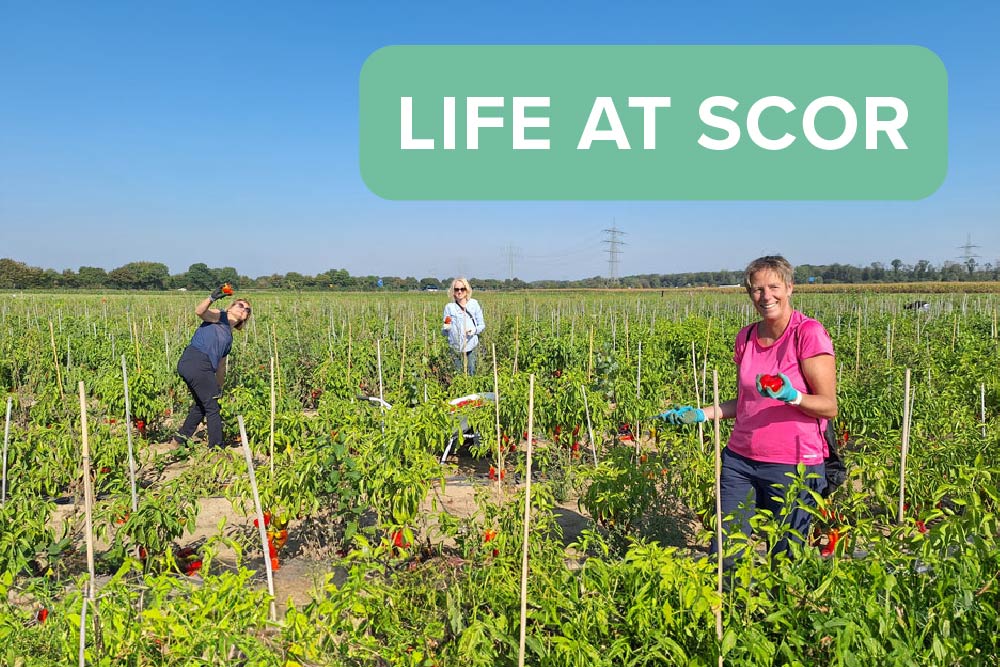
(770, 295)
(460, 290)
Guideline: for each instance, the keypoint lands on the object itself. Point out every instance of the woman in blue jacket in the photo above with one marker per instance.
(463, 322)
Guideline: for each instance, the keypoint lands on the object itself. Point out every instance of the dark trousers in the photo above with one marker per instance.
(747, 485)
(197, 372)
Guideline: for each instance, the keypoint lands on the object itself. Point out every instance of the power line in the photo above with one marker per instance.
(614, 250)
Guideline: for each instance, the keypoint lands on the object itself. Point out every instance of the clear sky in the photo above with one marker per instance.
(227, 133)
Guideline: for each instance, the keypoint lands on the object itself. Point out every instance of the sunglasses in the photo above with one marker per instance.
(458, 289)
(245, 307)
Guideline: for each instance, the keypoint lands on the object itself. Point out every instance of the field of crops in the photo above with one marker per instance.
(394, 576)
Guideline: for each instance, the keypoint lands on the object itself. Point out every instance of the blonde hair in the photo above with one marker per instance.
(464, 283)
(774, 263)
(242, 322)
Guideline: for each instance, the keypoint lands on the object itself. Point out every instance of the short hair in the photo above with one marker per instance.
(776, 263)
(465, 284)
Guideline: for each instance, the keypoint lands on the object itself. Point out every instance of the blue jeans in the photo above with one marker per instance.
(746, 485)
(470, 355)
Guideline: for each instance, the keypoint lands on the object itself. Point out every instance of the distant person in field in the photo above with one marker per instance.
(203, 363)
(786, 393)
(462, 324)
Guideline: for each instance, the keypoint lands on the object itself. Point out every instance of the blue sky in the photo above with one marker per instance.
(227, 133)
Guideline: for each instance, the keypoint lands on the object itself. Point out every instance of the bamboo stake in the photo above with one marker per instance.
(88, 494)
(378, 352)
(82, 662)
(638, 373)
(135, 339)
(6, 436)
(905, 444)
(274, 405)
(527, 521)
(857, 345)
(496, 407)
(590, 355)
(128, 433)
(716, 421)
(517, 339)
(261, 529)
(55, 359)
(982, 415)
(350, 337)
(590, 429)
(697, 396)
(402, 359)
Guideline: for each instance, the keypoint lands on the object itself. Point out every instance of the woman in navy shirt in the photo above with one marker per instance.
(203, 364)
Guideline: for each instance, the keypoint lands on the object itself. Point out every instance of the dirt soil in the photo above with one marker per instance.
(307, 558)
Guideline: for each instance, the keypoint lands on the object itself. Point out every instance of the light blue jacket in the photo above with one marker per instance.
(466, 325)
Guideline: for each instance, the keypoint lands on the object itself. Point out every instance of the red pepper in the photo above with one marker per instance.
(833, 536)
(41, 615)
(193, 568)
(227, 289)
(489, 535)
(447, 319)
(772, 382)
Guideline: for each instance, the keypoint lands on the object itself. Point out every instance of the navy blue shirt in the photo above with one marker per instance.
(215, 339)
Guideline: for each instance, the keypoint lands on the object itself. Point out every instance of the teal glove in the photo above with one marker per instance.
(683, 415)
(786, 393)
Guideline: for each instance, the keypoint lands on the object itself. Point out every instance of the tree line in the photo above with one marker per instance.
(157, 276)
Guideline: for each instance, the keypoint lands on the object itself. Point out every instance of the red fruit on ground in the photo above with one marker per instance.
(42, 615)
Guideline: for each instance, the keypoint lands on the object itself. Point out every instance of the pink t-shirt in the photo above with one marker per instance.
(766, 429)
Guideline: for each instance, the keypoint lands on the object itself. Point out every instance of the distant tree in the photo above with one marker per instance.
(896, 263)
(427, 283)
(18, 275)
(200, 277)
(227, 274)
(92, 277)
(140, 275)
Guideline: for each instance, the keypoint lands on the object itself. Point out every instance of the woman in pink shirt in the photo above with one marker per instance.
(787, 390)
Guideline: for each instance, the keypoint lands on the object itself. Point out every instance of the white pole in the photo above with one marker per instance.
(261, 529)
(590, 429)
(6, 436)
(638, 374)
(905, 443)
(527, 521)
(982, 414)
(270, 441)
(496, 407)
(88, 494)
(128, 432)
(83, 632)
(718, 502)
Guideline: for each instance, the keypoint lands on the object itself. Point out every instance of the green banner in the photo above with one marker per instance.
(653, 122)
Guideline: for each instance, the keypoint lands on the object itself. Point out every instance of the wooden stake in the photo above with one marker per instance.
(857, 345)
(6, 436)
(261, 529)
(88, 495)
(905, 444)
(274, 406)
(496, 407)
(135, 339)
(982, 415)
(590, 355)
(527, 521)
(716, 421)
(128, 433)
(55, 360)
(590, 429)
(638, 375)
